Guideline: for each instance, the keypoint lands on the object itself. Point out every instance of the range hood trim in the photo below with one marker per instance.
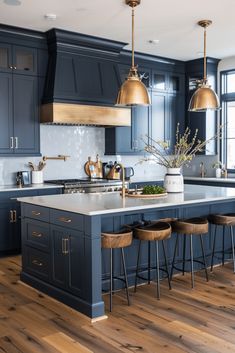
(89, 115)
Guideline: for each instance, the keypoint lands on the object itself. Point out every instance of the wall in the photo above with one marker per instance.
(77, 142)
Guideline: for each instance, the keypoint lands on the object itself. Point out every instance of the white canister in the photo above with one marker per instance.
(37, 177)
(218, 172)
(174, 181)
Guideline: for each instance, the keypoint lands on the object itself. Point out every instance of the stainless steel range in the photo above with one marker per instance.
(87, 185)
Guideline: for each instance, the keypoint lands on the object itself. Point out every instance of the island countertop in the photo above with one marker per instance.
(107, 203)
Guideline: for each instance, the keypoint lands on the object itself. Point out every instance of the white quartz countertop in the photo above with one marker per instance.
(105, 203)
(146, 179)
(30, 187)
(212, 179)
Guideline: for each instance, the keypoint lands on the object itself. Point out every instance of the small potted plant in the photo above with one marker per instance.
(218, 169)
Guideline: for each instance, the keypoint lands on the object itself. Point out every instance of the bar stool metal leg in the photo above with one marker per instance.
(204, 258)
(173, 261)
(137, 265)
(233, 251)
(149, 262)
(166, 264)
(111, 281)
(223, 245)
(184, 253)
(157, 270)
(191, 256)
(213, 250)
(125, 274)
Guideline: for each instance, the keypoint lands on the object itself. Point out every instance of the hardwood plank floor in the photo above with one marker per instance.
(183, 321)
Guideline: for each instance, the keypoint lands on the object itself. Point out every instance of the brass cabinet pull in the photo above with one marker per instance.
(11, 217)
(14, 216)
(35, 213)
(65, 246)
(37, 263)
(65, 220)
(36, 234)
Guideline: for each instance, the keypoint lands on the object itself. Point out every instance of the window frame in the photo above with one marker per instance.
(225, 98)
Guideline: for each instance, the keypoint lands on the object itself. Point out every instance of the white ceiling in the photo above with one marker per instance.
(173, 22)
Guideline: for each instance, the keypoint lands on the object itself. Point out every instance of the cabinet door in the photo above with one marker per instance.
(26, 117)
(7, 236)
(140, 122)
(176, 108)
(159, 116)
(59, 257)
(159, 81)
(5, 57)
(6, 118)
(24, 60)
(76, 263)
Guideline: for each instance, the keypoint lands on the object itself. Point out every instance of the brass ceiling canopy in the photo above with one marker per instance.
(133, 91)
(204, 98)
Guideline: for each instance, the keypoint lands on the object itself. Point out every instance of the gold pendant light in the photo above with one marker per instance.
(204, 98)
(133, 91)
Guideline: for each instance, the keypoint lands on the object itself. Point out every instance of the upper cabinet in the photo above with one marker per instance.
(159, 120)
(18, 59)
(205, 122)
(19, 90)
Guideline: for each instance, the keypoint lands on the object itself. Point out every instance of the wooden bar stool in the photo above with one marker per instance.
(114, 241)
(224, 220)
(155, 232)
(191, 227)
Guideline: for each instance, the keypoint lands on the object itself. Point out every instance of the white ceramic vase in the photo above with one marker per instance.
(174, 181)
(218, 172)
(37, 177)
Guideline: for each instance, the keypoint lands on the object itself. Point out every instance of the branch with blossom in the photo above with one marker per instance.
(183, 152)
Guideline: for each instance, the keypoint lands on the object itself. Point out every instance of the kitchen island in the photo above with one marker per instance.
(61, 238)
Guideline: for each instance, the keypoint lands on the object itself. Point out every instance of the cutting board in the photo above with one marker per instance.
(93, 169)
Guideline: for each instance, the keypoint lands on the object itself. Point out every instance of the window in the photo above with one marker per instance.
(228, 119)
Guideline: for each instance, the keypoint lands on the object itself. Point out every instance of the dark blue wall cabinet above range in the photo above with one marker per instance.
(19, 90)
(205, 122)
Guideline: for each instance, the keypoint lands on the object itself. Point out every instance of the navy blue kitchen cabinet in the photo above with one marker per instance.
(18, 59)
(67, 259)
(10, 236)
(19, 132)
(205, 122)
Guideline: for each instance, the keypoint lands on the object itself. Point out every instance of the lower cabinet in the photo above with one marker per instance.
(52, 253)
(67, 259)
(10, 220)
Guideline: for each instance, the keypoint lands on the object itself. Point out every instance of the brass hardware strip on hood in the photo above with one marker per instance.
(77, 114)
(59, 157)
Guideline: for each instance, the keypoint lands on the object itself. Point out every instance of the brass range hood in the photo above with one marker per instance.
(84, 115)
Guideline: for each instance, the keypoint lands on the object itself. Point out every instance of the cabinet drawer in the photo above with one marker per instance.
(36, 262)
(67, 219)
(38, 234)
(36, 212)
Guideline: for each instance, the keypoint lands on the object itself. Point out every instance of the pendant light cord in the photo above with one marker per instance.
(205, 71)
(133, 37)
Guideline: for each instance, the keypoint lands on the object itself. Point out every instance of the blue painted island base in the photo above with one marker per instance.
(68, 263)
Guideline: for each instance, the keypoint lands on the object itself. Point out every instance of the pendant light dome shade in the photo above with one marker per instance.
(133, 91)
(203, 99)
